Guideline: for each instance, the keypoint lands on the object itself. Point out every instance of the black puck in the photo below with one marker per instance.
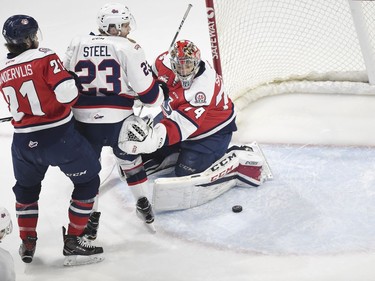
(237, 208)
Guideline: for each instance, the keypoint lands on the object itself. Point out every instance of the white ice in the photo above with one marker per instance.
(314, 221)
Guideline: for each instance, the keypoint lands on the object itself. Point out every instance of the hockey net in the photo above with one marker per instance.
(279, 46)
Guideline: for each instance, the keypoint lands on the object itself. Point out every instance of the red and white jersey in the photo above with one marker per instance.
(112, 67)
(38, 90)
(198, 112)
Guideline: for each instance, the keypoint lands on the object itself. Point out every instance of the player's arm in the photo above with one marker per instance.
(140, 76)
(137, 136)
(61, 82)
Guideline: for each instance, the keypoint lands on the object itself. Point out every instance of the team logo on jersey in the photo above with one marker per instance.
(164, 78)
(97, 116)
(114, 11)
(200, 97)
(33, 144)
(3, 215)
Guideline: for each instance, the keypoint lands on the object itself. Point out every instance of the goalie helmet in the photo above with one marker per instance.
(114, 14)
(18, 28)
(185, 59)
(6, 225)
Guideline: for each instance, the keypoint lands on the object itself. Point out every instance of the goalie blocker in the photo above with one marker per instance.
(241, 166)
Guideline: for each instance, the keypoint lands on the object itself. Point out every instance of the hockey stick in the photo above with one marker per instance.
(174, 39)
(179, 28)
(6, 119)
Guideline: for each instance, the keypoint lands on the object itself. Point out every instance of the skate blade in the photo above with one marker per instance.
(82, 260)
(150, 227)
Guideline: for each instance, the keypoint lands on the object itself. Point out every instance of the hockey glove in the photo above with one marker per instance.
(140, 136)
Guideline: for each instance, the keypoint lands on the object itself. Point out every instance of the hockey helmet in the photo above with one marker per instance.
(18, 28)
(114, 14)
(6, 225)
(185, 59)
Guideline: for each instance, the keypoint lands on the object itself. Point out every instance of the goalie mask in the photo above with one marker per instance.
(114, 15)
(185, 59)
(5, 223)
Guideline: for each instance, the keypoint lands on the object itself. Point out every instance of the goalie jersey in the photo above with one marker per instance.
(198, 112)
(113, 71)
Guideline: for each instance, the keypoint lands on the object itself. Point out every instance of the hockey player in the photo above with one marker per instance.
(113, 71)
(198, 118)
(40, 93)
(193, 135)
(6, 260)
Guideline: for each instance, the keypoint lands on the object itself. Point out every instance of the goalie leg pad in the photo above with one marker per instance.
(240, 166)
(249, 170)
(179, 193)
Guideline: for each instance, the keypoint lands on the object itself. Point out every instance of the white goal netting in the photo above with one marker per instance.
(264, 44)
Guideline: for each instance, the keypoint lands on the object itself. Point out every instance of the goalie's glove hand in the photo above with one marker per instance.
(138, 136)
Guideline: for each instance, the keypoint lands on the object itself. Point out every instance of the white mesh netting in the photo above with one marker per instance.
(263, 43)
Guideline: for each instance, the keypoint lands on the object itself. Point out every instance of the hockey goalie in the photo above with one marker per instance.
(241, 165)
(192, 134)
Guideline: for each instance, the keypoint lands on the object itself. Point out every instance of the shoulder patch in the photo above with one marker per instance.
(200, 97)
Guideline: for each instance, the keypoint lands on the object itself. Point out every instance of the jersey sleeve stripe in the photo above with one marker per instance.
(151, 95)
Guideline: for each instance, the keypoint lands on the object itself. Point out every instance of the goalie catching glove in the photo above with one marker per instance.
(138, 135)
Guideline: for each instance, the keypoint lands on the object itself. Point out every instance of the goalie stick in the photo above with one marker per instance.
(179, 28)
(173, 41)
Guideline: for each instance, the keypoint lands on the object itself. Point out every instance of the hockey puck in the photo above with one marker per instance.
(237, 209)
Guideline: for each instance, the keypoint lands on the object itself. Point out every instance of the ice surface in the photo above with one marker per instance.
(314, 221)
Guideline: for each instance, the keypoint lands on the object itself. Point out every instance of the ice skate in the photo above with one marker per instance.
(145, 213)
(78, 251)
(27, 249)
(91, 229)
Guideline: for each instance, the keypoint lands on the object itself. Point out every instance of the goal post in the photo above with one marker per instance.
(265, 47)
(364, 36)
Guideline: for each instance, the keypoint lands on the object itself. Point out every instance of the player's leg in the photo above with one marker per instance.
(132, 171)
(160, 160)
(196, 156)
(98, 135)
(29, 176)
(76, 158)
